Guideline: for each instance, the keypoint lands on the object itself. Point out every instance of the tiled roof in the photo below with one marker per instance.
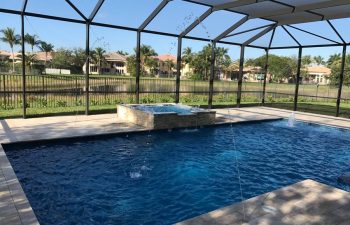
(166, 57)
(114, 56)
(319, 69)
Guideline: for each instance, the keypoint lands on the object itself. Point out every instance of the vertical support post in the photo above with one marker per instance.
(178, 68)
(212, 74)
(87, 69)
(240, 76)
(296, 94)
(341, 80)
(138, 66)
(265, 75)
(24, 91)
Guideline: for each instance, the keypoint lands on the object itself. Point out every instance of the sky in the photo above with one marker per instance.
(173, 19)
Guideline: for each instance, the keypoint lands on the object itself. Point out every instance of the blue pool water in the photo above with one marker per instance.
(165, 177)
(167, 108)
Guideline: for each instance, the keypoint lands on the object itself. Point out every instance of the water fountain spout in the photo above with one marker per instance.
(291, 120)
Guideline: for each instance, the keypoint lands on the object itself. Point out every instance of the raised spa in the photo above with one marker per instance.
(165, 116)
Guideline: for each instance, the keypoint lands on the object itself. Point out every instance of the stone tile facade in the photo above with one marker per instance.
(169, 120)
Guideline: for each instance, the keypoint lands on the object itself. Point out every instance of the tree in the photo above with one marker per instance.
(98, 57)
(30, 60)
(306, 60)
(147, 60)
(335, 70)
(333, 58)
(12, 39)
(170, 64)
(187, 57)
(147, 57)
(280, 67)
(62, 59)
(122, 53)
(32, 40)
(223, 60)
(47, 48)
(131, 65)
(153, 65)
(78, 59)
(319, 60)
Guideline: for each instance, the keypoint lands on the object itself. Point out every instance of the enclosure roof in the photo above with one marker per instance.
(266, 24)
(285, 11)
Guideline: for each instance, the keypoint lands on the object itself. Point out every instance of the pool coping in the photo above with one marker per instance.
(139, 131)
(19, 209)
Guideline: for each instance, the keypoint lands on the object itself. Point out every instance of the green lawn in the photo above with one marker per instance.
(61, 101)
(312, 107)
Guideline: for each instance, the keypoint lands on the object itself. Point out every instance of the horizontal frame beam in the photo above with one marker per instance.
(77, 21)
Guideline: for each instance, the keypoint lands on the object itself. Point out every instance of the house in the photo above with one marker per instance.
(16, 57)
(4, 55)
(114, 63)
(253, 74)
(43, 58)
(166, 65)
(250, 74)
(318, 75)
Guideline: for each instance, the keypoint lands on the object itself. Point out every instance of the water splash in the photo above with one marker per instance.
(145, 168)
(291, 120)
(135, 175)
(189, 130)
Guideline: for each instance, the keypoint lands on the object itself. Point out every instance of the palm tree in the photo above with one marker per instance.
(30, 60)
(12, 39)
(205, 56)
(333, 59)
(98, 57)
(319, 60)
(187, 57)
(32, 40)
(223, 60)
(170, 64)
(147, 54)
(306, 60)
(47, 48)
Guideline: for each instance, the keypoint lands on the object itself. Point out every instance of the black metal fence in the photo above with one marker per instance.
(59, 91)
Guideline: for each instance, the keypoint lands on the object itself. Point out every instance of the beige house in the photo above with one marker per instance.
(253, 74)
(250, 74)
(318, 75)
(165, 69)
(41, 57)
(115, 63)
(4, 55)
(166, 65)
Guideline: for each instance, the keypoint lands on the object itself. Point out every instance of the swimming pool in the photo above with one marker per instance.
(165, 177)
(168, 108)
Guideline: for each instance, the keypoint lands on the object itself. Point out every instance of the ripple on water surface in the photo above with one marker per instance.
(166, 177)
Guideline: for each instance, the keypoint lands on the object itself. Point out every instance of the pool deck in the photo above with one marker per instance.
(15, 208)
(305, 203)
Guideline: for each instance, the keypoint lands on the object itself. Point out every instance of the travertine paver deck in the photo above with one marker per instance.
(14, 206)
(304, 203)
